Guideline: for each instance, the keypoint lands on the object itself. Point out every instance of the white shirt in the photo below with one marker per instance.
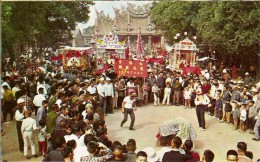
(84, 114)
(15, 89)
(58, 102)
(207, 76)
(109, 90)
(28, 124)
(243, 114)
(5, 83)
(37, 101)
(205, 101)
(19, 116)
(162, 151)
(42, 134)
(155, 89)
(187, 94)
(130, 84)
(71, 137)
(44, 89)
(167, 90)
(128, 102)
(91, 90)
(101, 89)
(79, 152)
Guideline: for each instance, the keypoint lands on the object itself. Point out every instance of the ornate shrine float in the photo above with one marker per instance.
(184, 57)
(108, 49)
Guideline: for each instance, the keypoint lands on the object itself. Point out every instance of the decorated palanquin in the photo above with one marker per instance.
(108, 49)
(184, 54)
(74, 56)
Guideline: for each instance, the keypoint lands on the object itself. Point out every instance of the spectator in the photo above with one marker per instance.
(208, 156)
(174, 154)
(188, 145)
(130, 147)
(232, 156)
(56, 155)
(241, 151)
(141, 156)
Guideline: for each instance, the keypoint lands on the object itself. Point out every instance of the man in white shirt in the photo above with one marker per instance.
(37, 101)
(101, 94)
(201, 101)
(109, 94)
(28, 125)
(92, 89)
(130, 83)
(128, 107)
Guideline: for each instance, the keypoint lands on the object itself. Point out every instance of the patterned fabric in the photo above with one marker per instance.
(92, 158)
(28, 101)
(180, 127)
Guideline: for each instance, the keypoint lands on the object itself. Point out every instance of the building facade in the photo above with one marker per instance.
(126, 24)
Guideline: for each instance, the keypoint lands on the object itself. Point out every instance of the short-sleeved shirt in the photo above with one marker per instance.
(128, 102)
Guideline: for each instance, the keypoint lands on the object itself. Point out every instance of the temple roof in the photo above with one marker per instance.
(127, 21)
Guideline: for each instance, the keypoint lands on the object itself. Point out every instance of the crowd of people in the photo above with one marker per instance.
(67, 110)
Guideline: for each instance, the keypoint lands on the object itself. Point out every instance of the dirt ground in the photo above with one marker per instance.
(218, 137)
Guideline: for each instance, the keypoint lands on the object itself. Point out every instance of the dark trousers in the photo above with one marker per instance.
(42, 147)
(212, 107)
(109, 104)
(120, 101)
(201, 115)
(19, 134)
(132, 116)
(102, 101)
(36, 109)
(251, 123)
(8, 108)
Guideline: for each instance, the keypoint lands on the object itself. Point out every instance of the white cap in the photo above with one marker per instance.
(20, 100)
(246, 73)
(224, 71)
(108, 78)
(101, 79)
(86, 80)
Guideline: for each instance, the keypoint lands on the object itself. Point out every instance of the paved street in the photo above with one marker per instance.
(218, 137)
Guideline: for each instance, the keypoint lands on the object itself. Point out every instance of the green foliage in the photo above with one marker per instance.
(39, 25)
(227, 27)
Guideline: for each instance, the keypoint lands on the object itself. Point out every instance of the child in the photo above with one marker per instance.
(243, 114)
(167, 94)
(41, 138)
(187, 96)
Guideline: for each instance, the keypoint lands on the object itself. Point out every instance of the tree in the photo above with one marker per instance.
(40, 25)
(231, 28)
(175, 17)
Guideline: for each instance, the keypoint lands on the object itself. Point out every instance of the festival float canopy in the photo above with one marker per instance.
(184, 54)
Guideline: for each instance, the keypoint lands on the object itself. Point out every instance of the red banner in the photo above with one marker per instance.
(191, 70)
(130, 68)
